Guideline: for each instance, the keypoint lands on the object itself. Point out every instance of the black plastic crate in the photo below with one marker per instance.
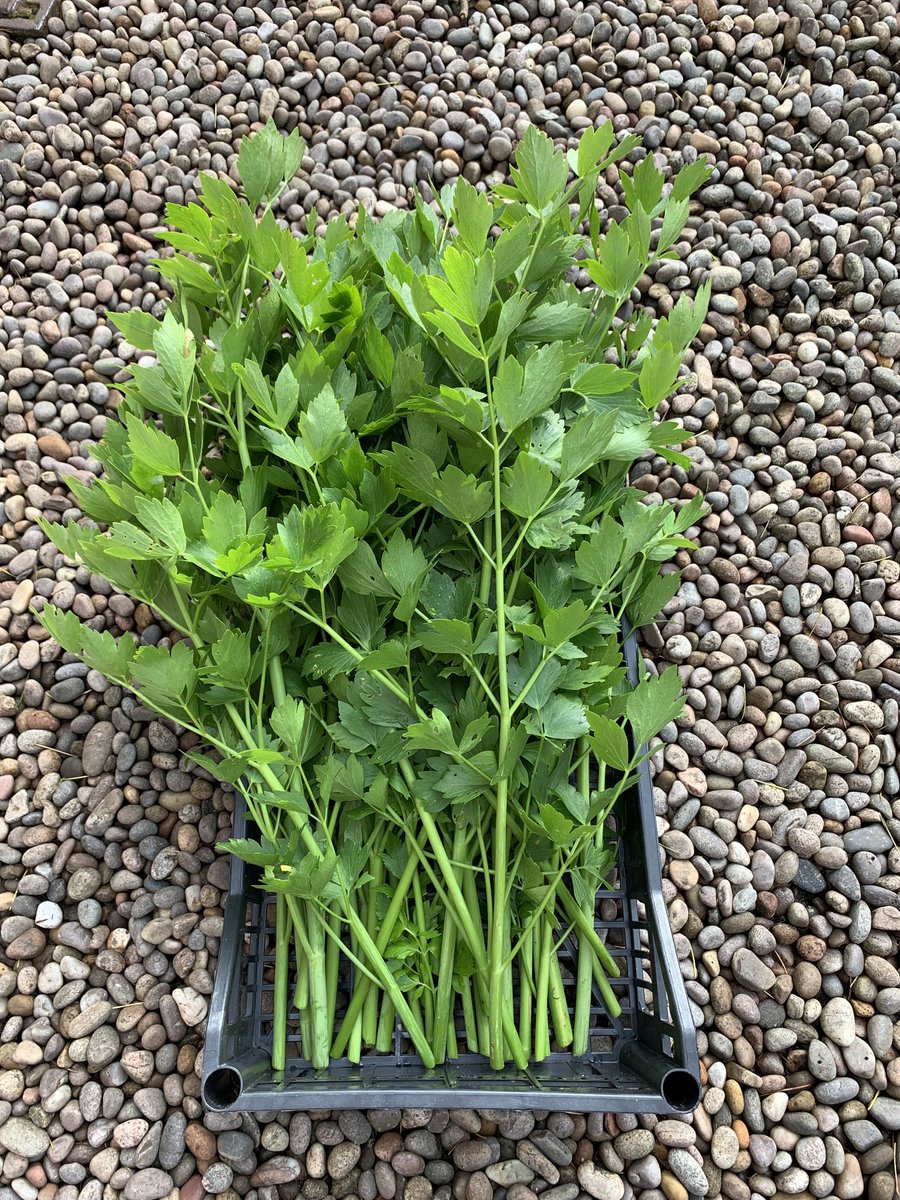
(643, 1061)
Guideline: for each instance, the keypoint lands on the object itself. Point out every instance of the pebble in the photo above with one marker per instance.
(20, 1136)
(839, 1021)
(602, 1185)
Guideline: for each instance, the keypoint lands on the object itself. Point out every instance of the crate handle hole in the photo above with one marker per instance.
(681, 1090)
(222, 1087)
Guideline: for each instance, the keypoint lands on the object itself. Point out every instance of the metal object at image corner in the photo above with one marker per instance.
(25, 18)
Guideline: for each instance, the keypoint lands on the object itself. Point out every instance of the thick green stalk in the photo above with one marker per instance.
(421, 926)
(445, 994)
(318, 989)
(559, 1008)
(500, 915)
(584, 975)
(390, 985)
(473, 934)
(354, 1048)
(471, 1025)
(543, 948)
(280, 994)
(526, 992)
(370, 1005)
(386, 1020)
(332, 968)
(363, 985)
(452, 1050)
(586, 929)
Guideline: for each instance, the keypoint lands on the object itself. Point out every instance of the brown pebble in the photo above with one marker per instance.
(673, 1188)
(734, 1097)
(200, 1142)
(27, 945)
(54, 446)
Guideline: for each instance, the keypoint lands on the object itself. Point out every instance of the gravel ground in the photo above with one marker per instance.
(777, 796)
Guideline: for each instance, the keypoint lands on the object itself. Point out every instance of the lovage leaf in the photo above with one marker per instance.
(163, 521)
(540, 171)
(167, 676)
(654, 703)
(521, 394)
(153, 450)
(526, 486)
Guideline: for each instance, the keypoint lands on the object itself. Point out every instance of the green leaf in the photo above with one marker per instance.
(461, 496)
(563, 624)
(602, 379)
(403, 563)
(540, 171)
(379, 355)
(452, 330)
(575, 802)
(512, 248)
(592, 146)
(162, 521)
(176, 350)
(224, 522)
(389, 656)
(674, 220)
(558, 828)
(659, 376)
(551, 322)
(136, 327)
(166, 676)
(434, 733)
(268, 160)
(526, 486)
(312, 878)
(463, 406)
(561, 718)
(509, 321)
(558, 524)
(653, 704)
(323, 426)
(412, 470)
(619, 266)
(231, 654)
(690, 177)
(255, 384)
(361, 573)
(151, 389)
(463, 781)
(101, 651)
(130, 542)
(473, 215)
(153, 450)
(644, 188)
(585, 443)
(186, 274)
(257, 854)
(598, 557)
(653, 598)
(520, 395)
(610, 741)
(288, 721)
(312, 542)
(443, 636)
(291, 450)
